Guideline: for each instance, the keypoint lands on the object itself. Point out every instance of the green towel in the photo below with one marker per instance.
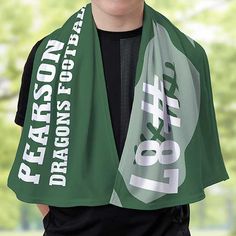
(67, 154)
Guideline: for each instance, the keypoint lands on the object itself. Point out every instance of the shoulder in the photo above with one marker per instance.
(60, 32)
(181, 40)
(32, 52)
(35, 47)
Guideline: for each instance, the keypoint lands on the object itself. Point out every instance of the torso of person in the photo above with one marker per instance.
(120, 55)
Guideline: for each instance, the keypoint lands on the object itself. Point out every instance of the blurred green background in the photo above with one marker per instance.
(210, 22)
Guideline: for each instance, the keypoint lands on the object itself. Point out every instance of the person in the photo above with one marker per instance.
(119, 26)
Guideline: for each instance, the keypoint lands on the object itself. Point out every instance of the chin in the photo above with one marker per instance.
(117, 7)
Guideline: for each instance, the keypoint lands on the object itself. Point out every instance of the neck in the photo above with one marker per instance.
(118, 21)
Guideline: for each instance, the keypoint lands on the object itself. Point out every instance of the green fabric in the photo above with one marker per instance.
(67, 154)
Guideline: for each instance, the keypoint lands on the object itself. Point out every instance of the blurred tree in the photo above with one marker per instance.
(23, 22)
(8, 203)
(15, 26)
(15, 21)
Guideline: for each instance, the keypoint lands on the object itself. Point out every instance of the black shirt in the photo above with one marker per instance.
(119, 55)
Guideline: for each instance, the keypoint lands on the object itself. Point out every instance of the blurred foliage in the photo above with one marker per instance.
(24, 22)
(8, 203)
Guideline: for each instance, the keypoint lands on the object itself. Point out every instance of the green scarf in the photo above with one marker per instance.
(67, 154)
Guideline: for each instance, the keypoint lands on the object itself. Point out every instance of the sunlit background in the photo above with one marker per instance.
(210, 22)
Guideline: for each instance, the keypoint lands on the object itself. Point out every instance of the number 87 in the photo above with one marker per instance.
(172, 174)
